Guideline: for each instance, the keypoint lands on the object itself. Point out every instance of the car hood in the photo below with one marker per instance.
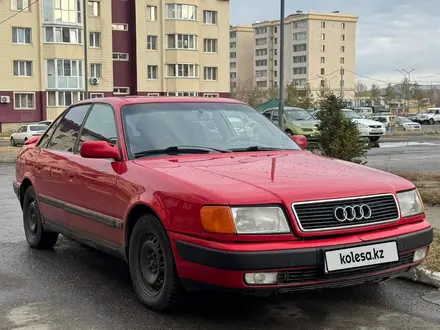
(274, 177)
(307, 123)
(367, 121)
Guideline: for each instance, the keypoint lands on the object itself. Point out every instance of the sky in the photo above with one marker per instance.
(391, 34)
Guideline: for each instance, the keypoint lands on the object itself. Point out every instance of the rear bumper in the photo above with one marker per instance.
(297, 268)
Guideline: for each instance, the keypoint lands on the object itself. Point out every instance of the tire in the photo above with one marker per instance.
(374, 138)
(158, 290)
(288, 131)
(431, 122)
(36, 236)
(13, 144)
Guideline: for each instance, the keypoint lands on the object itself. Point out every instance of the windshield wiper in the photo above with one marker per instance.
(175, 150)
(256, 148)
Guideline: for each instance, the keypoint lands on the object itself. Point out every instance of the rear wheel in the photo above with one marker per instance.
(288, 131)
(13, 142)
(431, 121)
(36, 236)
(152, 266)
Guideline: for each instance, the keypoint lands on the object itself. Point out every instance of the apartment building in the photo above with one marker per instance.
(318, 48)
(241, 61)
(133, 47)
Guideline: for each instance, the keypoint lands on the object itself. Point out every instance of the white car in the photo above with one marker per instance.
(430, 116)
(45, 122)
(26, 132)
(408, 125)
(368, 128)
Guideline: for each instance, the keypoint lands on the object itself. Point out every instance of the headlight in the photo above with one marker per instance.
(362, 125)
(410, 203)
(260, 220)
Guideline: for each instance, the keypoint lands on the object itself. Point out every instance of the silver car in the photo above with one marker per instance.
(26, 132)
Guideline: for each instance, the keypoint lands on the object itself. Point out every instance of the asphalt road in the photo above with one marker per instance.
(74, 287)
(409, 156)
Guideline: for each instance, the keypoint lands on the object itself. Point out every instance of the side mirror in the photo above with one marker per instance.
(33, 140)
(99, 149)
(301, 140)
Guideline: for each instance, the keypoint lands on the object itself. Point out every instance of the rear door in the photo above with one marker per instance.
(21, 134)
(52, 173)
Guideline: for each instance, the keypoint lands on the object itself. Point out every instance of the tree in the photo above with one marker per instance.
(325, 89)
(306, 99)
(273, 93)
(419, 96)
(433, 95)
(375, 94)
(292, 95)
(338, 136)
(253, 96)
(390, 94)
(361, 89)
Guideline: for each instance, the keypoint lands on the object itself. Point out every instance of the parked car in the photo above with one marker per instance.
(430, 116)
(144, 179)
(25, 132)
(408, 125)
(368, 128)
(45, 122)
(297, 121)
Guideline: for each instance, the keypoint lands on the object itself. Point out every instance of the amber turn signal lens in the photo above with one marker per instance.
(217, 219)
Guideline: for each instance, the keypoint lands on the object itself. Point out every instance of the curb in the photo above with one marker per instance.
(424, 276)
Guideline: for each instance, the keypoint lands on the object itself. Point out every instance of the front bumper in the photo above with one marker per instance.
(297, 268)
(368, 132)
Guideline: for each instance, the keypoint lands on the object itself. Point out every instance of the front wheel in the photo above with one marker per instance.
(431, 122)
(288, 131)
(152, 266)
(13, 144)
(374, 138)
(36, 236)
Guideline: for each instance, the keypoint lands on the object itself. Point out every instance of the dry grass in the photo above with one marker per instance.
(428, 185)
(432, 261)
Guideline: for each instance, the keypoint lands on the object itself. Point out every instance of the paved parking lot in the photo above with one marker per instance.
(74, 287)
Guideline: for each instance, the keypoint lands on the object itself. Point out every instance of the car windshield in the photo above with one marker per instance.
(430, 111)
(38, 128)
(351, 114)
(298, 114)
(214, 125)
(404, 120)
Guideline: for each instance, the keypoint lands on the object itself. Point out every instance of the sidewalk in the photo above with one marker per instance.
(433, 216)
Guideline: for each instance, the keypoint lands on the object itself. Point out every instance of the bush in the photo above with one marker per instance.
(338, 136)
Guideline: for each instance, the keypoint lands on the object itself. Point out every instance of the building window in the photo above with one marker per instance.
(120, 27)
(233, 65)
(152, 42)
(95, 39)
(191, 94)
(275, 29)
(233, 35)
(64, 74)
(261, 30)
(343, 26)
(64, 35)
(261, 63)
(233, 45)
(182, 70)
(261, 52)
(233, 55)
(322, 48)
(322, 36)
(302, 70)
(276, 41)
(181, 41)
(322, 71)
(153, 94)
(233, 85)
(342, 49)
(96, 95)
(21, 35)
(302, 36)
(300, 59)
(95, 70)
(300, 24)
(178, 11)
(121, 90)
(94, 8)
(342, 60)
(233, 75)
(261, 73)
(210, 45)
(342, 37)
(261, 41)
(151, 13)
(210, 73)
(299, 82)
(152, 72)
(210, 95)
(209, 17)
(322, 83)
(262, 84)
(120, 57)
(323, 25)
(300, 48)
(66, 11)
(22, 68)
(64, 98)
(322, 60)
(24, 101)
(22, 5)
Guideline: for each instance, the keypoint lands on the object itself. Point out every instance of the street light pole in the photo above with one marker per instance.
(281, 85)
(407, 73)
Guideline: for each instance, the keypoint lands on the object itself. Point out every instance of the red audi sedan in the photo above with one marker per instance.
(198, 193)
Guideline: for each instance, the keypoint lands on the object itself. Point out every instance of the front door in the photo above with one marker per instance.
(93, 209)
(51, 174)
(21, 134)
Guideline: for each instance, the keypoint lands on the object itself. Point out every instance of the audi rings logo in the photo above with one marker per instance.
(352, 212)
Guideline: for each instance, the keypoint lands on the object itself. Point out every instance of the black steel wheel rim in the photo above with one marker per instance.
(32, 216)
(152, 264)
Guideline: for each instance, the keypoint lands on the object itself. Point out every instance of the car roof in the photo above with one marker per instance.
(120, 101)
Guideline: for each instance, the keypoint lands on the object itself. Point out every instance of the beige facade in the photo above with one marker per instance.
(318, 48)
(241, 60)
(183, 47)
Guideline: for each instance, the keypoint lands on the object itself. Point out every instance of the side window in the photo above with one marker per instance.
(22, 129)
(100, 125)
(67, 131)
(46, 136)
(275, 116)
(268, 114)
